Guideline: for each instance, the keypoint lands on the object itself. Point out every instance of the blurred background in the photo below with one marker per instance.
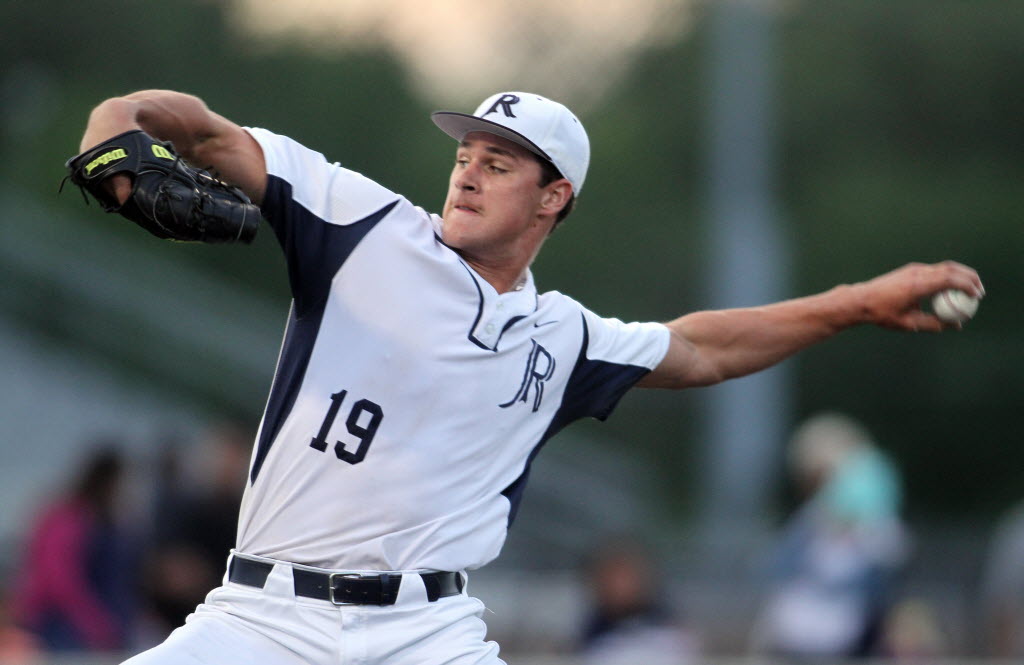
(860, 500)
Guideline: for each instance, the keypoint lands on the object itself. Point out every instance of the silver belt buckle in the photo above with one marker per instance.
(330, 586)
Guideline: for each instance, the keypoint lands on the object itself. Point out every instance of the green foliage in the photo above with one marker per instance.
(899, 139)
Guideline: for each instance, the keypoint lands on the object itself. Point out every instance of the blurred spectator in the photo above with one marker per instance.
(196, 518)
(836, 563)
(1002, 599)
(17, 646)
(630, 621)
(76, 586)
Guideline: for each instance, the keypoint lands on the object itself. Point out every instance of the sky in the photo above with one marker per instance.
(459, 51)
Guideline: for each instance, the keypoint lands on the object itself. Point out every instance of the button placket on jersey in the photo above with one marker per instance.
(498, 309)
(490, 327)
(492, 323)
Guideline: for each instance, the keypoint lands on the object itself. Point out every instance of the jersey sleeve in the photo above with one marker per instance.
(614, 356)
(319, 211)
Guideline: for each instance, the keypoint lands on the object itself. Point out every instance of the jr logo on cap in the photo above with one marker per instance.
(505, 102)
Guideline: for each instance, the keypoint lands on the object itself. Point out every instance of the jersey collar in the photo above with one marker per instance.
(499, 311)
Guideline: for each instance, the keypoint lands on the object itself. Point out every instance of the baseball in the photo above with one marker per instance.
(953, 306)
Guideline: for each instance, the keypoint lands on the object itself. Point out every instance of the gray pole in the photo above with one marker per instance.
(747, 263)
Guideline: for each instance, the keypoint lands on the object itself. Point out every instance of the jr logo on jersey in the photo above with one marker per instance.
(539, 367)
(505, 102)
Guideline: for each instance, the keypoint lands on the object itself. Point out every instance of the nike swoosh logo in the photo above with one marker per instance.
(546, 323)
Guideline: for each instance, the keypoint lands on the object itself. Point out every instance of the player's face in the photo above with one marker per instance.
(494, 196)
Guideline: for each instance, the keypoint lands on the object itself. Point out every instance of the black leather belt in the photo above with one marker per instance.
(344, 588)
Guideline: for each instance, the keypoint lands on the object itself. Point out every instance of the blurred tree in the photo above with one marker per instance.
(899, 137)
(900, 140)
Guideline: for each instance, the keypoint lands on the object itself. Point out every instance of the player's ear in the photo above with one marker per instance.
(556, 195)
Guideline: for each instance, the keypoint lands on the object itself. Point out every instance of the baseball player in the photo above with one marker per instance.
(421, 370)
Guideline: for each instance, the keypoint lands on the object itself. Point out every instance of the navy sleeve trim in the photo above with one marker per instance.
(596, 386)
(313, 261)
(594, 389)
(314, 249)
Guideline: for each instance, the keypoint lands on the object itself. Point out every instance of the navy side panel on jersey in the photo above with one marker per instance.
(594, 388)
(314, 250)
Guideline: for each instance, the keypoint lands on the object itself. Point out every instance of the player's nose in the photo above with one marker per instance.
(467, 178)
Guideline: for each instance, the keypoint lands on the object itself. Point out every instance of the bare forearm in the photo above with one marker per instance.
(737, 342)
(204, 138)
(179, 118)
(708, 347)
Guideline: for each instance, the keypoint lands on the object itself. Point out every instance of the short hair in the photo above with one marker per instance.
(548, 174)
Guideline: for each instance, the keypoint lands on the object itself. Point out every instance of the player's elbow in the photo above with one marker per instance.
(156, 107)
(675, 375)
(113, 111)
(687, 364)
(703, 378)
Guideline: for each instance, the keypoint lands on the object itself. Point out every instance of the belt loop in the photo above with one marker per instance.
(433, 587)
(385, 590)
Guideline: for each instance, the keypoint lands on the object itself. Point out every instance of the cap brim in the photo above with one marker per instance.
(457, 125)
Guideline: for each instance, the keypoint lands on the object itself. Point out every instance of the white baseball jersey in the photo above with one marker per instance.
(410, 397)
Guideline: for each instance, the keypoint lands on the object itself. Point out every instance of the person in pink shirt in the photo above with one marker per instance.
(70, 589)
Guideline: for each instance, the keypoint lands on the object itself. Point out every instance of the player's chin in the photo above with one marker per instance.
(457, 230)
(451, 236)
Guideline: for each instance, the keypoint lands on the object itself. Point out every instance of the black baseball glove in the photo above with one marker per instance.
(169, 198)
